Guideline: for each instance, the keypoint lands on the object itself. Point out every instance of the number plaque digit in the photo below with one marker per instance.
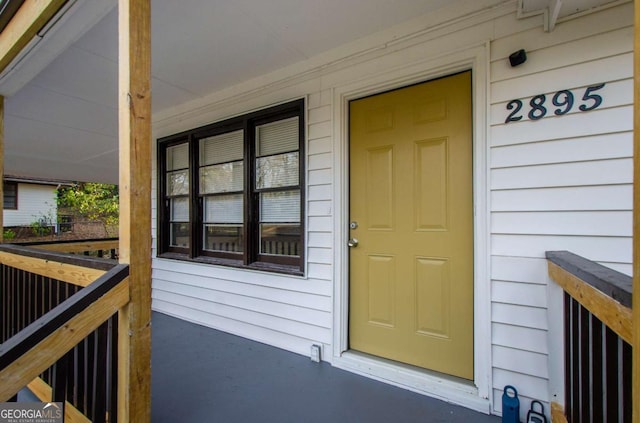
(562, 99)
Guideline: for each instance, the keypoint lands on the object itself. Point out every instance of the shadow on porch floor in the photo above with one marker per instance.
(203, 375)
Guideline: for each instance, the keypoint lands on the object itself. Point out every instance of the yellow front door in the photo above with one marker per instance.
(411, 224)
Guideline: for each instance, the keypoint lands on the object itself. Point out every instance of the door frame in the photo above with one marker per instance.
(477, 395)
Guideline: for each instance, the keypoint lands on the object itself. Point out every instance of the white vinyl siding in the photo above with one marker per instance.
(34, 203)
(288, 312)
(559, 183)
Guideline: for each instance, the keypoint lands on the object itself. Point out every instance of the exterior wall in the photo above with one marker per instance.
(289, 312)
(559, 183)
(34, 202)
(562, 182)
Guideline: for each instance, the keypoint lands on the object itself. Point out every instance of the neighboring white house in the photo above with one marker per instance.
(29, 200)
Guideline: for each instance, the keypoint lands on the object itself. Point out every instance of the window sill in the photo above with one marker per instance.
(236, 264)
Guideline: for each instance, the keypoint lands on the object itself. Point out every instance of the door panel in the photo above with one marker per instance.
(432, 296)
(431, 184)
(411, 274)
(381, 273)
(379, 187)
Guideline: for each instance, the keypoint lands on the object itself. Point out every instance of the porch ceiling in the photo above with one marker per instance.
(62, 123)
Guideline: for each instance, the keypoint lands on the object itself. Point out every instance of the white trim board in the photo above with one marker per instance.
(478, 395)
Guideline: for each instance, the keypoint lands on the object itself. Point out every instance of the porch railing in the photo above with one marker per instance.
(58, 327)
(598, 338)
(101, 247)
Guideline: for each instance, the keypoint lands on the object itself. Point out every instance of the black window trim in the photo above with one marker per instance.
(250, 259)
(15, 196)
(178, 250)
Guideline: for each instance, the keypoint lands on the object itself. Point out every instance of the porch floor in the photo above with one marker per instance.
(204, 375)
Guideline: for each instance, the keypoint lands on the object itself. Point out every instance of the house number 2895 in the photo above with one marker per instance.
(562, 103)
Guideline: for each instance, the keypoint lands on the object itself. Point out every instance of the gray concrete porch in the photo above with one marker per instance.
(203, 375)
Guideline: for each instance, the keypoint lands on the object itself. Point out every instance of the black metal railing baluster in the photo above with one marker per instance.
(10, 299)
(597, 392)
(87, 369)
(568, 355)
(98, 388)
(626, 370)
(575, 360)
(112, 368)
(585, 400)
(611, 380)
(3, 304)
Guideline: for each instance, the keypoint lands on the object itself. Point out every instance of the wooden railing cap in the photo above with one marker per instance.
(30, 336)
(78, 260)
(67, 241)
(611, 282)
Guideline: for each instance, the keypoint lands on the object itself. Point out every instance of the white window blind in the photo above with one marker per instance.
(224, 209)
(277, 137)
(281, 206)
(180, 209)
(178, 157)
(222, 148)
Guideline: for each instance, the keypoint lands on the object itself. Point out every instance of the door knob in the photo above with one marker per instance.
(352, 242)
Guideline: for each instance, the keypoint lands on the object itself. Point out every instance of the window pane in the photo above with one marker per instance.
(178, 183)
(277, 171)
(180, 209)
(282, 206)
(222, 148)
(277, 137)
(222, 178)
(225, 238)
(224, 209)
(281, 240)
(10, 195)
(178, 157)
(10, 188)
(179, 234)
(9, 202)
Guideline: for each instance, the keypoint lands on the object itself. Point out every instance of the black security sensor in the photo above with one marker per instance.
(518, 58)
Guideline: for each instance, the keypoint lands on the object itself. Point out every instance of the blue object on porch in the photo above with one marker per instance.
(510, 405)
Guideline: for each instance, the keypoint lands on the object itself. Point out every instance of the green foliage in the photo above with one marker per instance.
(40, 228)
(8, 235)
(94, 201)
(43, 225)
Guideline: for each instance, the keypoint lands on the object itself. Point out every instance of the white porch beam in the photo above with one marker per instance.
(134, 104)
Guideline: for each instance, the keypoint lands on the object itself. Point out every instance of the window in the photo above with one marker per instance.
(10, 195)
(231, 192)
(178, 194)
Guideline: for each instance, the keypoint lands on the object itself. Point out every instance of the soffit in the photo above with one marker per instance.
(63, 122)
